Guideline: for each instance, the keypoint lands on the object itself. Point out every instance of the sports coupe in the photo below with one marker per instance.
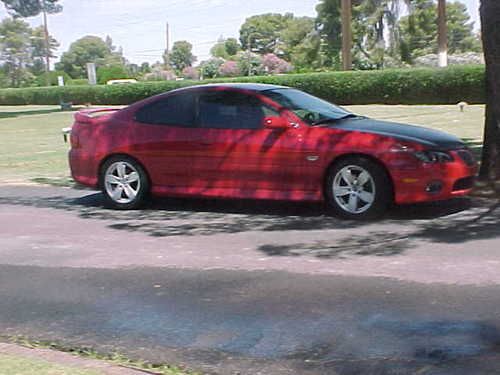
(261, 141)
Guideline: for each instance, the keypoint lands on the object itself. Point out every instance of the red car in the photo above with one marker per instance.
(264, 142)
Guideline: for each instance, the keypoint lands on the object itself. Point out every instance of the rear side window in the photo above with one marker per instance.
(176, 110)
(230, 110)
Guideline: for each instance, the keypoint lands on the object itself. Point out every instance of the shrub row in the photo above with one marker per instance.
(395, 86)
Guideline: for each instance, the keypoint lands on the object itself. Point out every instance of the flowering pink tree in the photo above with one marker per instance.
(275, 65)
(190, 73)
(229, 69)
(160, 75)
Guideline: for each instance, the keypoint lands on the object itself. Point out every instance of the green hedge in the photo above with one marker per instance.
(394, 86)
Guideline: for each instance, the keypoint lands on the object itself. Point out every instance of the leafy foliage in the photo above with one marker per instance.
(15, 51)
(225, 48)
(261, 33)
(160, 75)
(229, 69)
(106, 73)
(210, 68)
(30, 8)
(42, 80)
(419, 30)
(39, 49)
(190, 73)
(85, 50)
(181, 55)
(274, 65)
(249, 63)
(330, 27)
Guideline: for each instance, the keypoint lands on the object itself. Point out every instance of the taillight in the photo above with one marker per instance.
(74, 140)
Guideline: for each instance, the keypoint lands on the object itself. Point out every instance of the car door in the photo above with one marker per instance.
(167, 140)
(239, 155)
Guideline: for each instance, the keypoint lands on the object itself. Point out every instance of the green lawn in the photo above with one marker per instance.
(31, 144)
(32, 147)
(13, 365)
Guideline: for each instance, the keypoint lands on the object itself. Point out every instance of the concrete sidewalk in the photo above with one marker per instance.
(66, 361)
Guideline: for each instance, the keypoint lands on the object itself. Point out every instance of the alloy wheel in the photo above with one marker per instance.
(354, 189)
(122, 182)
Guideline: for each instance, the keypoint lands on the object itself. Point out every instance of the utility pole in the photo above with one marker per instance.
(442, 35)
(249, 52)
(346, 16)
(167, 51)
(47, 42)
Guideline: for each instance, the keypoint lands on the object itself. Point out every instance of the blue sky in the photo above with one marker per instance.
(139, 25)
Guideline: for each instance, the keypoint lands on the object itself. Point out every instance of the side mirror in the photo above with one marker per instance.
(276, 122)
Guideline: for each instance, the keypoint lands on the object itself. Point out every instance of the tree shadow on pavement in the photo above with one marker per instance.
(471, 222)
(452, 221)
(379, 244)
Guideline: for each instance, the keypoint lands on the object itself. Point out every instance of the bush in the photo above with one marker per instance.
(395, 86)
(41, 80)
(275, 65)
(190, 73)
(229, 69)
(78, 82)
(160, 75)
(107, 73)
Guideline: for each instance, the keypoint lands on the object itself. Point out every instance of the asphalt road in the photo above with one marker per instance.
(246, 287)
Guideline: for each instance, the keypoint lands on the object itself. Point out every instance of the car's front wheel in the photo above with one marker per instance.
(358, 188)
(124, 183)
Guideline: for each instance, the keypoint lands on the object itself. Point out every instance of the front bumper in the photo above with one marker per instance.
(435, 181)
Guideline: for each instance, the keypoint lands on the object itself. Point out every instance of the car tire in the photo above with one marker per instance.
(358, 188)
(124, 183)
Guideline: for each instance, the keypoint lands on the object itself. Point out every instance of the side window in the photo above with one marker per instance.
(176, 110)
(230, 110)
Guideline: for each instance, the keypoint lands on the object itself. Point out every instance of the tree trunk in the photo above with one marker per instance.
(490, 17)
(346, 11)
(442, 34)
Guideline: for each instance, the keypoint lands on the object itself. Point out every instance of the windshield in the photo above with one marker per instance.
(310, 109)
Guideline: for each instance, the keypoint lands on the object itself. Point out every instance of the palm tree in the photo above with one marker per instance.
(442, 34)
(382, 13)
(346, 11)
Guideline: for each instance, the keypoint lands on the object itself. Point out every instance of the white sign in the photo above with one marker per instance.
(91, 74)
(60, 80)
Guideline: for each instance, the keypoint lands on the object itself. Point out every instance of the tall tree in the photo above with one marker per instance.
(225, 48)
(261, 33)
(294, 35)
(30, 8)
(85, 50)
(181, 55)
(15, 50)
(490, 18)
(39, 50)
(232, 46)
(330, 28)
(418, 32)
(309, 54)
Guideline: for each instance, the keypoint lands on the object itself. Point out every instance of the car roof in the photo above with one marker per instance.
(258, 87)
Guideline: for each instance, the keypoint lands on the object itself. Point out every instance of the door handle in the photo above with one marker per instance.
(206, 143)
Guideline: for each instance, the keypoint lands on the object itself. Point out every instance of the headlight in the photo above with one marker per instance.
(433, 156)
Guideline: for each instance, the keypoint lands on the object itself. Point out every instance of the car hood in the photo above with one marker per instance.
(431, 138)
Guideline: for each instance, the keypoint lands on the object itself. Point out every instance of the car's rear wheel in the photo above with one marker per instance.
(358, 188)
(124, 183)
